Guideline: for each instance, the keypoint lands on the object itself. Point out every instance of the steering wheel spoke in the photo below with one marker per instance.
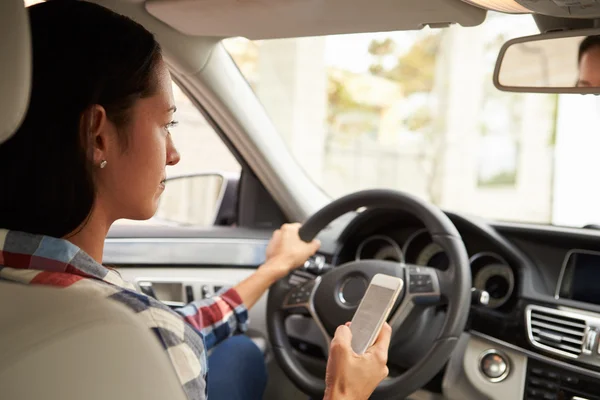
(300, 296)
(423, 288)
(300, 300)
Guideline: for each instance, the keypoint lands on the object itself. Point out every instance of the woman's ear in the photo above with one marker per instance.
(95, 136)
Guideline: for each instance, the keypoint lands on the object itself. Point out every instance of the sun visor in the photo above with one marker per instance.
(269, 19)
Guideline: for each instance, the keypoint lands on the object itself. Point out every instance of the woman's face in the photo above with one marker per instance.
(589, 68)
(130, 184)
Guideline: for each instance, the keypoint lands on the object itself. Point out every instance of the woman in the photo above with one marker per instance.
(588, 60)
(93, 149)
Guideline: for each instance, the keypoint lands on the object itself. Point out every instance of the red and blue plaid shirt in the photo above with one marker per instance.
(186, 333)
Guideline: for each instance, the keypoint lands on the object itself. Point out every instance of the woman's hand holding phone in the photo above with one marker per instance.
(351, 376)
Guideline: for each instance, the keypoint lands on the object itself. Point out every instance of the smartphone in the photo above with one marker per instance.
(373, 310)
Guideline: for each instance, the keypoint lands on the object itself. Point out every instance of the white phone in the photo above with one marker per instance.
(374, 310)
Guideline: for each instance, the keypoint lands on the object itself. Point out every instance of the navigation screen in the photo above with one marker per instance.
(581, 279)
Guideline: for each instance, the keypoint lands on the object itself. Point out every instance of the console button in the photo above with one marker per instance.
(550, 385)
(537, 371)
(494, 366)
(552, 375)
(534, 392)
(571, 380)
(536, 382)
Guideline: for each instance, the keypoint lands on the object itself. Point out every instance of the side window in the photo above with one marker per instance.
(196, 186)
(200, 147)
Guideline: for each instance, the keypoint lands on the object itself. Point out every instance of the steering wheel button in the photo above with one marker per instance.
(422, 289)
(419, 277)
(302, 298)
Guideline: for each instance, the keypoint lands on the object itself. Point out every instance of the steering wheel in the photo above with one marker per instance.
(331, 299)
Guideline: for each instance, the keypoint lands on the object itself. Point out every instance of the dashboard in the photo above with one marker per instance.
(541, 327)
(538, 338)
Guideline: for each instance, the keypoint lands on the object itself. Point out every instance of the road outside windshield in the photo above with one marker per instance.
(417, 111)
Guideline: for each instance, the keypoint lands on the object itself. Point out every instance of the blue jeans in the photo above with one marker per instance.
(236, 370)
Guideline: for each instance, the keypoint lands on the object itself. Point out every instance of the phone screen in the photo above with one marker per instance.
(367, 318)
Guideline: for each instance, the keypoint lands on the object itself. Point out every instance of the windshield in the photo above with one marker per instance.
(417, 111)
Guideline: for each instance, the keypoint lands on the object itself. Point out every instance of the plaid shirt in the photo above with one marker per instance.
(186, 333)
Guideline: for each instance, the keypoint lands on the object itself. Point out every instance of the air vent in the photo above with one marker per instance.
(554, 331)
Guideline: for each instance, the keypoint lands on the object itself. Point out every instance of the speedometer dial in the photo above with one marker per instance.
(420, 249)
(379, 247)
(433, 256)
(494, 276)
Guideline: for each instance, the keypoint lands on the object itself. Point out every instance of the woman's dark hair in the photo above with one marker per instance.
(586, 44)
(83, 55)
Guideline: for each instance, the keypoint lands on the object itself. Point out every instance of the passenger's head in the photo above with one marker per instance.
(96, 133)
(589, 62)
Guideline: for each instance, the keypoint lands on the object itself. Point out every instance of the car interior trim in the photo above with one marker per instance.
(583, 350)
(539, 357)
(192, 251)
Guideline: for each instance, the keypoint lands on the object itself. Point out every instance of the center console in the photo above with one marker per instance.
(546, 382)
(547, 349)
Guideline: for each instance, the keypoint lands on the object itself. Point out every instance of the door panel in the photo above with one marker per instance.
(197, 278)
(184, 269)
(196, 252)
(179, 269)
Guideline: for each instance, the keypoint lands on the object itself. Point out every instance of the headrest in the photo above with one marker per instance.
(15, 64)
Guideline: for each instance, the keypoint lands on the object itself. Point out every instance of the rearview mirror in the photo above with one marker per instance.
(561, 62)
(204, 199)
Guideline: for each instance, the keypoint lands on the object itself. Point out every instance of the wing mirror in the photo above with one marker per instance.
(202, 199)
(560, 62)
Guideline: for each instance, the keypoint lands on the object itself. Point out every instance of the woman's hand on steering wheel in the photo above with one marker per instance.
(286, 251)
(351, 376)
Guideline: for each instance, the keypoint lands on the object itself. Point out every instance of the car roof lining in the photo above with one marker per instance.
(547, 23)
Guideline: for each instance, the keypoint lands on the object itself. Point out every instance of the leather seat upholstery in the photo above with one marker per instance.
(58, 345)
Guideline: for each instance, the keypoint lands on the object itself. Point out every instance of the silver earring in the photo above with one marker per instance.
(103, 163)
